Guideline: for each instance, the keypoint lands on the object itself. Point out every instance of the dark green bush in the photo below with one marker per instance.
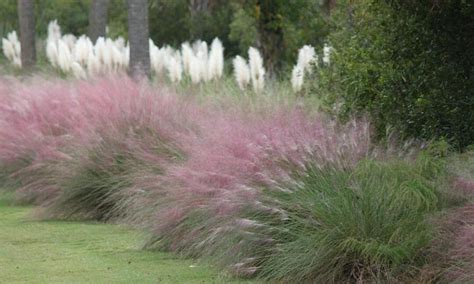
(408, 64)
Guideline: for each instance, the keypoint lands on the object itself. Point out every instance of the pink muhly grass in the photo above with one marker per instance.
(43, 123)
(237, 152)
(458, 246)
(132, 128)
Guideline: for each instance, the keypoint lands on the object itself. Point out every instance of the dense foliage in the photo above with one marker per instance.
(409, 64)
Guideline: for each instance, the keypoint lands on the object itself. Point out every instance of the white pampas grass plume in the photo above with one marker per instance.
(12, 49)
(215, 67)
(126, 55)
(8, 49)
(241, 72)
(13, 38)
(188, 54)
(54, 31)
(158, 58)
(120, 43)
(82, 50)
(70, 41)
(175, 68)
(17, 62)
(197, 68)
(200, 47)
(306, 58)
(93, 65)
(52, 53)
(327, 49)
(78, 71)
(257, 71)
(297, 77)
(113, 55)
(64, 56)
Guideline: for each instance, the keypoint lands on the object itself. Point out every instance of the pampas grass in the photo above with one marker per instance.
(241, 72)
(257, 71)
(12, 49)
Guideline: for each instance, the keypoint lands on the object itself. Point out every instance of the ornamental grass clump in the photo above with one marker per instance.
(335, 225)
(132, 128)
(290, 196)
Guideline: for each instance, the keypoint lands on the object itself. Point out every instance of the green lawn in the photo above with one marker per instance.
(77, 252)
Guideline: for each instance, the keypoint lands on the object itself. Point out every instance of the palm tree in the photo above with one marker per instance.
(97, 19)
(138, 38)
(26, 15)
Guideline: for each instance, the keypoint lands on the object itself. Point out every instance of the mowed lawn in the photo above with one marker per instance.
(77, 252)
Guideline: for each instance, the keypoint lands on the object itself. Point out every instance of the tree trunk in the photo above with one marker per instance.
(271, 34)
(138, 38)
(26, 15)
(196, 9)
(97, 19)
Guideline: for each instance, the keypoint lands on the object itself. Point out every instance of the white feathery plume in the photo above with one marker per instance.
(200, 46)
(306, 57)
(77, 71)
(13, 38)
(8, 49)
(104, 54)
(154, 56)
(187, 53)
(174, 67)
(17, 62)
(196, 69)
(215, 67)
(52, 46)
(52, 53)
(70, 40)
(241, 72)
(64, 56)
(297, 77)
(54, 31)
(158, 59)
(12, 49)
(120, 43)
(126, 56)
(327, 49)
(113, 55)
(257, 71)
(82, 50)
(93, 65)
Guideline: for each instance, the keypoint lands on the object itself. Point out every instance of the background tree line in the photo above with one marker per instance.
(277, 27)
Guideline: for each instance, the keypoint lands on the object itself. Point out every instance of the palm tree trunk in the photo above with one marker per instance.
(138, 35)
(97, 19)
(26, 16)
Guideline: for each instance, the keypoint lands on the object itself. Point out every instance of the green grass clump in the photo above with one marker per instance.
(337, 225)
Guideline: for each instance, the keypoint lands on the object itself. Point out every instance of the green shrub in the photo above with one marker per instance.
(408, 64)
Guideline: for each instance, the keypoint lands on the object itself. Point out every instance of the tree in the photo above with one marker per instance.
(138, 38)
(97, 19)
(26, 16)
(270, 29)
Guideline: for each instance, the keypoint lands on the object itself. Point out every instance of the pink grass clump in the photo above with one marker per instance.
(135, 131)
(460, 251)
(236, 153)
(46, 124)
